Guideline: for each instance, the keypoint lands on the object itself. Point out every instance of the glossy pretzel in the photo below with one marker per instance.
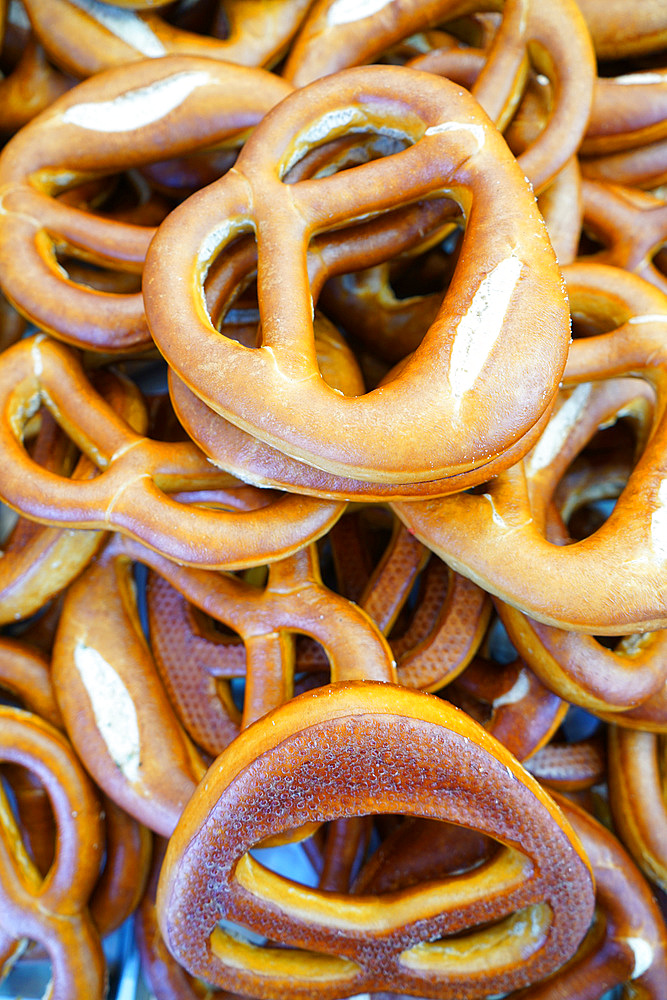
(374, 747)
(136, 473)
(128, 117)
(87, 39)
(338, 33)
(489, 527)
(333, 432)
(52, 910)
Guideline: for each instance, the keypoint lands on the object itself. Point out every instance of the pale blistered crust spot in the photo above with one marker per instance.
(558, 429)
(344, 11)
(659, 523)
(136, 108)
(476, 130)
(643, 953)
(113, 708)
(630, 79)
(649, 318)
(480, 327)
(518, 691)
(126, 25)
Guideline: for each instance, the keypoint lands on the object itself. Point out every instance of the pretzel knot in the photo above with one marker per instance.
(347, 750)
(483, 375)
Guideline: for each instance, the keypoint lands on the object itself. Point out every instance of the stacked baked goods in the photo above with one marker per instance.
(335, 431)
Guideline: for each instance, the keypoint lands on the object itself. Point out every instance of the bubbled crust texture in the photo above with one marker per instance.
(350, 766)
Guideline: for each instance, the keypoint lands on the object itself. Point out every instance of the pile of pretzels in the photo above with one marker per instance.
(333, 463)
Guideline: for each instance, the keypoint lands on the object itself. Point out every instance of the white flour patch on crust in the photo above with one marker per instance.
(136, 108)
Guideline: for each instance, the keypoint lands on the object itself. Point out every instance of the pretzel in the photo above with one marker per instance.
(52, 911)
(317, 437)
(355, 726)
(293, 600)
(113, 704)
(520, 711)
(636, 796)
(121, 885)
(493, 539)
(644, 167)
(569, 767)
(617, 33)
(628, 111)
(39, 561)
(631, 945)
(632, 224)
(135, 472)
(88, 36)
(165, 977)
(32, 86)
(130, 116)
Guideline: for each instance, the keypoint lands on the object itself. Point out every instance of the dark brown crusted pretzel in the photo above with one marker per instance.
(131, 116)
(308, 420)
(345, 750)
(130, 493)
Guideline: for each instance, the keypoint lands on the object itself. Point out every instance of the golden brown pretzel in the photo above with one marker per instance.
(631, 224)
(644, 167)
(484, 536)
(338, 33)
(637, 797)
(130, 492)
(112, 702)
(333, 432)
(628, 111)
(376, 747)
(628, 941)
(133, 115)
(52, 910)
(39, 561)
(32, 86)
(88, 36)
(293, 600)
(618, 30)
(114, 705)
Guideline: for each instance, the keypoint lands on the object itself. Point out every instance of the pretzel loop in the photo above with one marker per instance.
(454, 151)
(52, 911)
(137, 473)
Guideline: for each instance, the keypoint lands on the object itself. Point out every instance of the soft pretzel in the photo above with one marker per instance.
(376, 746)
(333, 433)
(338, 33)
(644, 166)
(631, 224)
(135, 472)
(130, 116)
(53, 910)
(89, 36)
(113, 705)
(484, 536)
(628, 111)
(637, 798)
(32, 86)
(38, 561)
(619, 31)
